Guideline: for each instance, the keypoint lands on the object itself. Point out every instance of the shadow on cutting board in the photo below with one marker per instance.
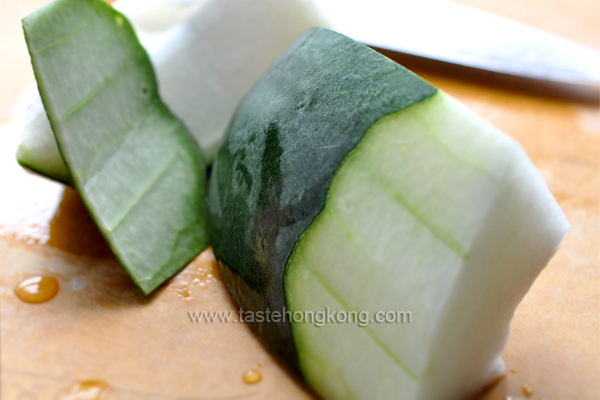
(73, 231)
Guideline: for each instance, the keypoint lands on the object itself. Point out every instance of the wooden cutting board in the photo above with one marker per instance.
(100, 327)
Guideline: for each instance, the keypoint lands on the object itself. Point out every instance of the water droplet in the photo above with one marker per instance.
(251, 376)
(37, 289)
(88, 390)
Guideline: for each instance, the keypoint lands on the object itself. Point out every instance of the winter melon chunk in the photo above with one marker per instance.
(347, 184)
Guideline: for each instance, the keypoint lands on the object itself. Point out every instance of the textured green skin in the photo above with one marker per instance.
(285, 142)
(139, 172)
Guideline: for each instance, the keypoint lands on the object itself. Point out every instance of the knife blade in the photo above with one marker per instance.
(458, 34)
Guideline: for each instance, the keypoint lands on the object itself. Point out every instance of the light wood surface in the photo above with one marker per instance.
(100, 327)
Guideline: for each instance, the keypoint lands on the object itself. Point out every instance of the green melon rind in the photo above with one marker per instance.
(285, 142)
(139, 172)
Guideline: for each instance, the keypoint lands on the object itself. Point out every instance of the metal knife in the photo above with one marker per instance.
(460, 35)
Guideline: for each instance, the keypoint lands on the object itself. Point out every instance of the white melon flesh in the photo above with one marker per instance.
(211, 54)
(435, 212)
(216, 56)
(38, 149)
(155, 16)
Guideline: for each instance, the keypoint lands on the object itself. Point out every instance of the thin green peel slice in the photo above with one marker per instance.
(138, 170)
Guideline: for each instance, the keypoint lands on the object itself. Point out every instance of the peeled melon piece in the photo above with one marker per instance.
(348, 184)
(38, 150)
(204, 64)
(152, 16)
(218, 54)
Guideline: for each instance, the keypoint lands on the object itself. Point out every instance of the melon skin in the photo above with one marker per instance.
(347, 182)
(138, 170)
